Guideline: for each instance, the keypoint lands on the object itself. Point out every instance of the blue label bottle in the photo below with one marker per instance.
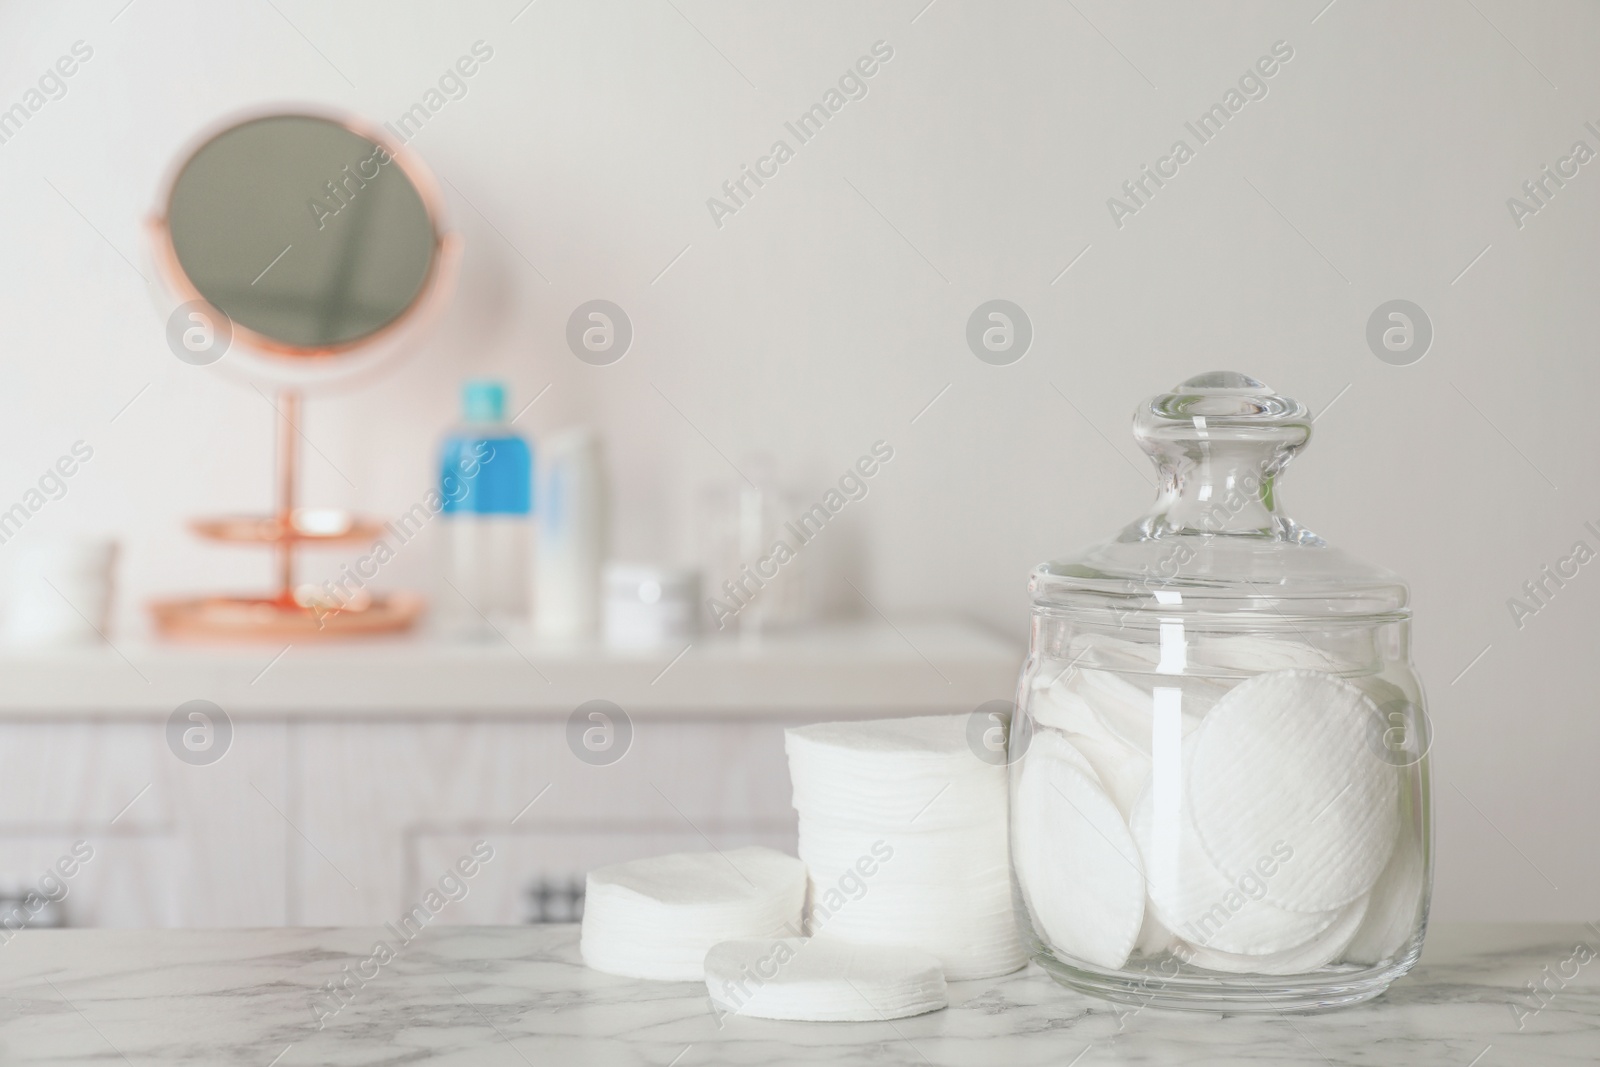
(486, 482)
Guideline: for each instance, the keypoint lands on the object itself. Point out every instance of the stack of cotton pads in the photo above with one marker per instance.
(1246, 828)
(903, 830)
(657, 918)
(822, 980)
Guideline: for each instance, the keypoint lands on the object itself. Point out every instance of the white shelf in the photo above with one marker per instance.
(866, 668)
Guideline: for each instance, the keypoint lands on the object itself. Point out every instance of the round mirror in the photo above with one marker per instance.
(312, 237)
(302, 231)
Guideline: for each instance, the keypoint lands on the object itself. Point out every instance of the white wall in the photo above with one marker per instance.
(831, 309)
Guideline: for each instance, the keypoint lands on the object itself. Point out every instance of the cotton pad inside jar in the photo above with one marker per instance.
(1286, 759)
(1079, 870)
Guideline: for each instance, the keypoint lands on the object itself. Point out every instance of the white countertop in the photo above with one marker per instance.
(873, 667)
(518, 995)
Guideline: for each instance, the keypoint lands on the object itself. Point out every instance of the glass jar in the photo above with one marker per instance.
(1219, 776)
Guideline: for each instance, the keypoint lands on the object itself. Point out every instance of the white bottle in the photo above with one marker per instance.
(572, 515)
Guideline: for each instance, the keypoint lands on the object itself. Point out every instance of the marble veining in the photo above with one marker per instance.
(519, 995)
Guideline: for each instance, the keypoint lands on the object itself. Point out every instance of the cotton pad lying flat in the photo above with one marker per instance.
(944, 873)
(902, 840)
(882, 774)
(869, 797)
(1194, 900)
(986, 882)
(932, 737)
(745, 878)
(925, 905)
(928, 909)
(1078, 867)
(966, 946)
(925, 745)
(1286, 758)
(819, 980)
(831, 851)
(1392, 913)
(655, 918)
(919, 806)
(965, 920)
(858, 870)
(1318, 952)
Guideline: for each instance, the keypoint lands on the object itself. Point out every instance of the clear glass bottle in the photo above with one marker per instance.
(750, 588)
(1219, 779)
(486, 490)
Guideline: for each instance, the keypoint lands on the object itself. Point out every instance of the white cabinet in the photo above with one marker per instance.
(390, 807)
(348, 823)
(171, 844)
(358, 776)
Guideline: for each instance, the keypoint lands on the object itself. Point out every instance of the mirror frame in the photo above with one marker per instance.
(295, 364)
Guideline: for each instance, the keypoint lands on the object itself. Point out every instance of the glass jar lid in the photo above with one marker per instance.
(1217, 541)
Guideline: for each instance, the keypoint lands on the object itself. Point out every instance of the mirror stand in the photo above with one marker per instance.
(292, 613)
(288, 406)
(336, 301)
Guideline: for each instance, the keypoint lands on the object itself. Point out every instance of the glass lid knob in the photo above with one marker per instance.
(1220, 441)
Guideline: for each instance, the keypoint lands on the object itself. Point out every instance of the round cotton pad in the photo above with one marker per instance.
(1253, 652)
(1392, 914)
(1123, 708)
(1057, 706)
(1122, 771)
(1050, 747)
(1106, 652)
(929, 738)
(831, 851)
(916, 773)
(1127, 710)
(1078, 867)
(655, 918)
(1194, 899)
(1318, 952)
(966, 945)
(1154, 938)
(1117, 766)
(1285, 759)
(820, 980)
(734, 878)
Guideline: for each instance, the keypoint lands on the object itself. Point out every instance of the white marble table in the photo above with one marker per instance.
(518, 995)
